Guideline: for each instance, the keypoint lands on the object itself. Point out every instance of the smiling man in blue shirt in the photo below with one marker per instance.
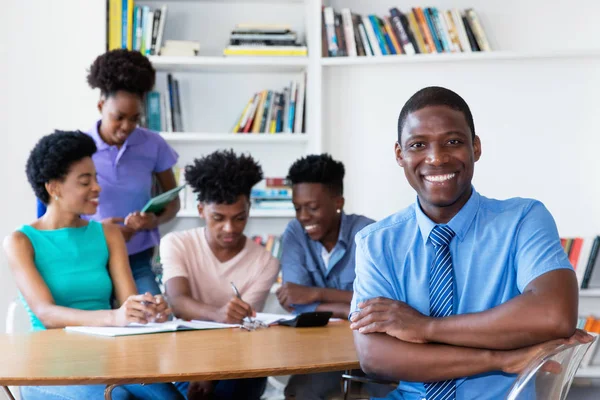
(457, 293)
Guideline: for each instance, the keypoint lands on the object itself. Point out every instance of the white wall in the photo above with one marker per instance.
(536, 117)
(45, 50)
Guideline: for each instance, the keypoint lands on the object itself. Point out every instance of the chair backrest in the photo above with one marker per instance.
(17, 319)
(549, 377)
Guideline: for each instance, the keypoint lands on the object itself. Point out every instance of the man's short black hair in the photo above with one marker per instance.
(318, 169)
(53, 156)
(435, 96)
(122, 69)
(221, 177)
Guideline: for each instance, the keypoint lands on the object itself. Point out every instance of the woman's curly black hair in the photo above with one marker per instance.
(318, 169)
(52, 157)
(122, 69)
(221, 177)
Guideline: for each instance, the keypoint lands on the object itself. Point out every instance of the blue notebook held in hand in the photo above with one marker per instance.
(158, 203)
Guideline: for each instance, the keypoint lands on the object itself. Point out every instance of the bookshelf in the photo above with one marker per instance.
(459, 57)
(224, 64)
(254, 213)
(214, 89)
(192, 137)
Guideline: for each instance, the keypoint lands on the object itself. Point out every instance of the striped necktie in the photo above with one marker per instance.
(441, 299)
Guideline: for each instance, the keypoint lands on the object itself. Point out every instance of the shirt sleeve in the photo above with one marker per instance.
(538, 248)
(372, 279)
(166, 156)
(293, 264)
(257, 294)
(172, 257)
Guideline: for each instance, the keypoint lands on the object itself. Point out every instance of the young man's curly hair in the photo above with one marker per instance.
(122, 69)
(318, 169)
(221, 177)
(53, 156)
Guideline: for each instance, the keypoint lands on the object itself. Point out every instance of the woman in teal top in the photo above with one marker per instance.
(67, 269)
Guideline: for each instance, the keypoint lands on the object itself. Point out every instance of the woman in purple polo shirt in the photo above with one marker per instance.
(129, 158)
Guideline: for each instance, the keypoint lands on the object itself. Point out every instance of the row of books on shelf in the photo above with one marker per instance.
(420, 30)
(270, 111)
(141, 28)
(264, 40)
(271, 198)
(591, 325)
(272, 244)
(163, 110)
(584, 257)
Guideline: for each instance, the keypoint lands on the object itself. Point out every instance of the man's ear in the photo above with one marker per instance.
(399, 155)
(477, 148)
(201, 210)
(339, 202)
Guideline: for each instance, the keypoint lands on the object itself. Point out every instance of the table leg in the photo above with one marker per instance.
(7, 393)
(108, 391)
(347, 385)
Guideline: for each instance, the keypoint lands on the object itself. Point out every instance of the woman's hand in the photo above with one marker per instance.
(141, 221)
(139, 308)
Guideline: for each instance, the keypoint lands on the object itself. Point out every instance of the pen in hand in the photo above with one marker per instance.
(237, 294)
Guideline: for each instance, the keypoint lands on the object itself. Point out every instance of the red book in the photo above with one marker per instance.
(275, 182)
(575, 250)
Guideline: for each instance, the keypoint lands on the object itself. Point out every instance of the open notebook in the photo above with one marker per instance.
(169, 326)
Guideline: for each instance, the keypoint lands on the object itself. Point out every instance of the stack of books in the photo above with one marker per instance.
(163, 110)
(187, 198)
(420, 30)
(272, 244)
(270, 111)
(274, 194)
(135, 27)
(264, 40)
(591, 325)
(584, 257)
(180, 48)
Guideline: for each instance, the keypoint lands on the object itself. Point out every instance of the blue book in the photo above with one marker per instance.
(153, 111)
(377, 30)
(279, 121)
(124, 26)
(434, 35)
(388, 40)
(440, 29)
(137, 28)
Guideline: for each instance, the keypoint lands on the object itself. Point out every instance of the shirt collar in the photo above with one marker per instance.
(344, 233)
(460, 223)
(134, 138)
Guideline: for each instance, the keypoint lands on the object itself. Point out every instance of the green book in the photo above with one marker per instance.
(158, 203)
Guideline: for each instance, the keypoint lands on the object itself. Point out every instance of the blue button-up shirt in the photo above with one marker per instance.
(125, 177)
(302, 263)
(499, 248)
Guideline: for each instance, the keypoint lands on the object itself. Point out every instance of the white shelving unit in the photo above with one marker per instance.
(229, 64)
(459, 57)
(214, 89)
(200, 137)
(590, 293)
(254, 213)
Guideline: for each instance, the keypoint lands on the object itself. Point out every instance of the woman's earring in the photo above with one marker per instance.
(338, 211)
(56, 198)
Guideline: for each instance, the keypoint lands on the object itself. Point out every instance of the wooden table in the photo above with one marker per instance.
(57, 357)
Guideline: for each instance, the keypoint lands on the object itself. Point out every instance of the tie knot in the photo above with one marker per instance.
(441, 235)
